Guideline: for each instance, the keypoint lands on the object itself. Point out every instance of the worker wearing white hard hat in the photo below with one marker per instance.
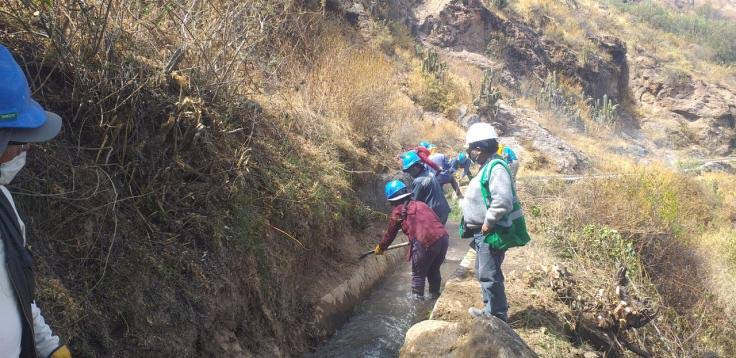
(489, 199)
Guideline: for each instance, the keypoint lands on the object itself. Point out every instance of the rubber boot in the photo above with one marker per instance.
(434, 295)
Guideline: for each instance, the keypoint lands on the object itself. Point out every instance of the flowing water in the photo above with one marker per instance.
(377, 326)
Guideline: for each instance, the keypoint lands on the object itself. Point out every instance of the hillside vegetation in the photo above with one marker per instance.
(210, 180)
(210, 152)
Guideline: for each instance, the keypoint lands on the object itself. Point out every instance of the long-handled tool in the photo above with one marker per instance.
(363, 255)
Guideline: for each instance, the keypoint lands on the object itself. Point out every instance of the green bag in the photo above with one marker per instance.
(511, 230)
(464, 234)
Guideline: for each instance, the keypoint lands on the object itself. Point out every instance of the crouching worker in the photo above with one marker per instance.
(23, 331)
(426, 234)
(492, 216)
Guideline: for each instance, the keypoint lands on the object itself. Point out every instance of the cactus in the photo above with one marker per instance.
(487, 100)
(431, 64)
(418, 50)
(552, 95)
(603, 110)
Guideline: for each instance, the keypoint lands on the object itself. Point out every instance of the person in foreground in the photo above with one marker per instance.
(23, 330)
(492, 216)
(427, 235)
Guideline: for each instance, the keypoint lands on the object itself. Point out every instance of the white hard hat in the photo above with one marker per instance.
(479, 132)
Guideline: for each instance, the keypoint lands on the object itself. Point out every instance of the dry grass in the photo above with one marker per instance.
(186, 191)
(437, 95)
(570, 21)
(656, 222)
(352, 97)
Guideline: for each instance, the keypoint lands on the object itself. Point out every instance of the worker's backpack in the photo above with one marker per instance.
(511, 230)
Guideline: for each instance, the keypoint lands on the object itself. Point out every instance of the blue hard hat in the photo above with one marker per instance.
(424, 144)
(408, 159)
(17, 108)
(396, 190)
(462, 157)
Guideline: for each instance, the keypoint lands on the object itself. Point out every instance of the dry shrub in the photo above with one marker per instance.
(442, 133)
(435, 94)
(650, 220)
(349, 95)
(174, 208)
(723, 187)
(651, 201)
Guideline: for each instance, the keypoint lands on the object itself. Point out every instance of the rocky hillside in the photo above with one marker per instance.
(220, 163)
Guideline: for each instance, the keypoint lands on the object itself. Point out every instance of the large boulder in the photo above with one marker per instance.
(492, 337)
(431, 339)
(489, 337)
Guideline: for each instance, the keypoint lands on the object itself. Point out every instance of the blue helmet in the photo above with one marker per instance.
(408, 159)
(462, 157)
(424, 144)
(396, 190)
(17, 108)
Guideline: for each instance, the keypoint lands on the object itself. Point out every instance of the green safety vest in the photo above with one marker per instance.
(510, 231)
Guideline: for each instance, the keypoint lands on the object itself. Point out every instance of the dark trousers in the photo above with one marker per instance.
(488, 272)
(425, 265)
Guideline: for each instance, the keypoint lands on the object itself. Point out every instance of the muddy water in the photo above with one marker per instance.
(377, 325)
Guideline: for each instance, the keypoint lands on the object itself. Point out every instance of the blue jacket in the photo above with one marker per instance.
(427, 189)
(466, 167)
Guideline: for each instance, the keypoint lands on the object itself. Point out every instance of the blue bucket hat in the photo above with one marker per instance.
(22, 119)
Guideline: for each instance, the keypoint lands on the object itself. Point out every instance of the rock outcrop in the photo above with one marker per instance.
(396, 10)
(690, 110)
(523, 125)
(469, 25)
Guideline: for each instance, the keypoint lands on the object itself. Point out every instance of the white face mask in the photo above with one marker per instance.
(10, 169)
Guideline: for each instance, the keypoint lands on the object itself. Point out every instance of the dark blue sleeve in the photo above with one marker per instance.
(419, 189)
(466, 169)
(446, 164)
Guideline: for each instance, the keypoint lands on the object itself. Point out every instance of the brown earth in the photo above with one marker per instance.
(535, 313)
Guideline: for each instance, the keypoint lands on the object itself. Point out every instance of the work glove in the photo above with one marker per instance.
(61, 352)
(378, 250)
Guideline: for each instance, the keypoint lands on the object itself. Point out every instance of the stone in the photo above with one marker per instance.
(469, 119)
(431, 339)
(468, 25)
(713, 167)
(523, 125)
(703, 113)
(491, 337)
(483, 337)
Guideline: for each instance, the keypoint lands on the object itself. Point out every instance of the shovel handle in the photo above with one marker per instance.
(365, 254)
